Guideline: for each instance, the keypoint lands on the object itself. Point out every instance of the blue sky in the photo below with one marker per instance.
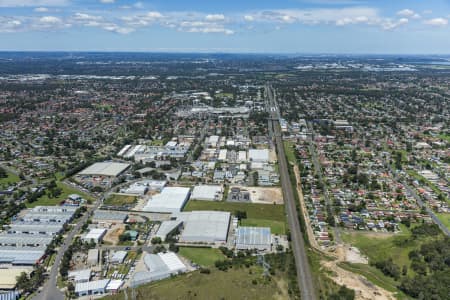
(263, 26)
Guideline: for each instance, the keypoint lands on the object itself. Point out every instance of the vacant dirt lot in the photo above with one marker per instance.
(113, 234)
(263, 195)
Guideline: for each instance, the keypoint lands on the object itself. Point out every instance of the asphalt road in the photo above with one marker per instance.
(50, 291)
(304, 277)
(318, 170)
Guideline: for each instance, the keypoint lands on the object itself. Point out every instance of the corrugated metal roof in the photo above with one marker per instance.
(84, 287)
(204, 226)
(253, 237)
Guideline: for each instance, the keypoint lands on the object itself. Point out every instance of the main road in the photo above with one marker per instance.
(50, 291)
(304, 277)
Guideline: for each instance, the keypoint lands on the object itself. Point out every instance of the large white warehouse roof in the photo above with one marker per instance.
(111, 169)
(207, 192)
(170, 200)
(204, 226)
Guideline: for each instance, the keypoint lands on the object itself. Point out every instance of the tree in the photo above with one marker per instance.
(156, 240)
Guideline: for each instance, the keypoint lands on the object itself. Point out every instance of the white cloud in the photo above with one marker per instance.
(86, 17)
(215, 17)
(10, 24)
(436, 22)
(351, 15)
(391, 25)
(107, 1)
(249, 18)
(50, 20)
(32, 3)
(406, 12)
(118, 29)
(41, 9)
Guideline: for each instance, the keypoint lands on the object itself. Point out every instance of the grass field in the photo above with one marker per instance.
(120, 200)
(205, 257)
(11, 178)
(66, 191)
(254, 211)
(382, 247)
(445, 219)
(277, 227)
(289, 151)
(236, 283)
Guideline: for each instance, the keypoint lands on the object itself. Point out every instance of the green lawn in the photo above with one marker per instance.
(445, 219)
(383, 247)
(120, 200)
(236, 283)
(205, 257)
(289, 151)
(254, 211)
(276, 227)
(66, 191)
(10, 178)
(445, 137)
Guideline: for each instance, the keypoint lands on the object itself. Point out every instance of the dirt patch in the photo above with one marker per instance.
(364, 289)
(113, 234)
(263, 195)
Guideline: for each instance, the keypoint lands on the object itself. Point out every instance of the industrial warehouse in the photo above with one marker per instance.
(24, 242)
(170, 200)
(159, 266)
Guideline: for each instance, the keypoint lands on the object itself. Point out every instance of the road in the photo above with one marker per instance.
(419, 200)
(318, 171)
(304, 277)
(50, 291)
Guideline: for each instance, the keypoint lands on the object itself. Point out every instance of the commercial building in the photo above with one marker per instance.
(167, 227)
(96, 287)
(207, 192)
(258, 155)
(170, 200)
(80, 276)
(109, 169)
(114, 285)
(92, 258)
(253, 238)
(118, 257)
(159, 266)
(8, 278)
(104, 216)
(204, 226)
(95, 234)
(23, 256)
(24, 241)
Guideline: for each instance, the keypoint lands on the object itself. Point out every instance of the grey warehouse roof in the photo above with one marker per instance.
(204, 226)
(21, 256)
(109, 215)
(111, 169)
(253, 237)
